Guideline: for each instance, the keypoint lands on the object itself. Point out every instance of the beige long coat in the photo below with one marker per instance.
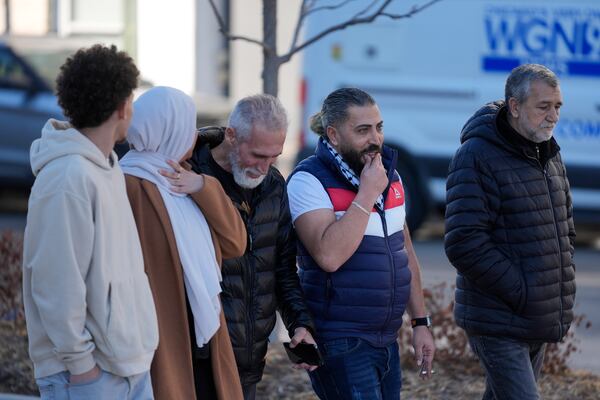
(172, 374)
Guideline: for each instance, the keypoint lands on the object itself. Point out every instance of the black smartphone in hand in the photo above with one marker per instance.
(304, 353)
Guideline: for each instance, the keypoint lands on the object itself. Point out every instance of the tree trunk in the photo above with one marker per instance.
(271, 62)
(6, 17)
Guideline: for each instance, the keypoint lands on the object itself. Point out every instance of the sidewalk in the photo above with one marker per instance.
(6, 396)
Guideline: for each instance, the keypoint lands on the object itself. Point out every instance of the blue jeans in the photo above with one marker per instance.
(356, 370)
(511, 366)
(105, 387)
(249, 391)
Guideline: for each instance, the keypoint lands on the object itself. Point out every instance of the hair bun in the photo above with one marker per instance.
(316, 123)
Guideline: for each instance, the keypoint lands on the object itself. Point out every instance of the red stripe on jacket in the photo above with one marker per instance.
(342, 198)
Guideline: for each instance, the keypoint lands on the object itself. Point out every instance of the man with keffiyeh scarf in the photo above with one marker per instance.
(357, 265)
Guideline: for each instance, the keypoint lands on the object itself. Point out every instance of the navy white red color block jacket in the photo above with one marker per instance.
(366, 297)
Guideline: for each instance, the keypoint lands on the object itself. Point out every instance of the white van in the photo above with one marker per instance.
(430, 73)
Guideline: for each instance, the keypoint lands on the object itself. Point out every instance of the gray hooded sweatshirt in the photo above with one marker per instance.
(87, 298)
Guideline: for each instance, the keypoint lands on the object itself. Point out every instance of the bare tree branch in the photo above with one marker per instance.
(220, 19)
(307, 8)
(356, 21)
(299, 23)
(332, 7)
(412, 12)
(365, 10)
(338, 27)
(272, 61)
(225, 31)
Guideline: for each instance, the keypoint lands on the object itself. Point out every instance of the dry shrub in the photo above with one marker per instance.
(16, 370)
(11, 295)
(451, 341)
(557, 354)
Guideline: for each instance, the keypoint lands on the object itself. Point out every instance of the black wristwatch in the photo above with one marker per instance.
(425, 321)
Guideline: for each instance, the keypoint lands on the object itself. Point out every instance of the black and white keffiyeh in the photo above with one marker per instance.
(350, 174)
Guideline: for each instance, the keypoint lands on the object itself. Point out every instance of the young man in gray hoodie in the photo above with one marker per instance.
(90, 316)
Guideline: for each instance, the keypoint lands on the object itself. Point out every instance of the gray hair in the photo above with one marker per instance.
(260, 109)
(519, 81)
(335, 108)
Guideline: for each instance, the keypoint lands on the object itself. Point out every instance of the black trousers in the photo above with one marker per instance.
(203, 376)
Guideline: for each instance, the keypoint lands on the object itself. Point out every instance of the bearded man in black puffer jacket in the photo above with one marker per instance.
(264, 279)
(510, 233)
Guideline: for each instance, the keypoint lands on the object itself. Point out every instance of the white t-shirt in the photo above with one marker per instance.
(306, 194)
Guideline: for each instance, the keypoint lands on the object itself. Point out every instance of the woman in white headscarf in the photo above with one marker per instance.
(186, 224)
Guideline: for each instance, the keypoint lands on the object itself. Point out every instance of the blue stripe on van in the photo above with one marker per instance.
(499, 63)
(584, 68)
(579, 68)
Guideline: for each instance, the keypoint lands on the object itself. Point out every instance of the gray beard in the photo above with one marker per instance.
(239, 174)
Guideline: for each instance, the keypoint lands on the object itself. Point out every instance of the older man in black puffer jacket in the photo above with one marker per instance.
(510, 233)
(264, 279)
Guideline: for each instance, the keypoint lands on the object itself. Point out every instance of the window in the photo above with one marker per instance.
(91, 16)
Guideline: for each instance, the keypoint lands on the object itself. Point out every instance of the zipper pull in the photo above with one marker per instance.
(537, 151)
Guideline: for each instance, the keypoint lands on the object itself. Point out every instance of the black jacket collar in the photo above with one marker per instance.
(540, 151)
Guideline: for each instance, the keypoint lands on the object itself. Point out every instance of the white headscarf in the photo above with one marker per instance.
(163, 127)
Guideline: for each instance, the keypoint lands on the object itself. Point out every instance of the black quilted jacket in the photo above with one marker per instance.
(265, 279)
(509, 234)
